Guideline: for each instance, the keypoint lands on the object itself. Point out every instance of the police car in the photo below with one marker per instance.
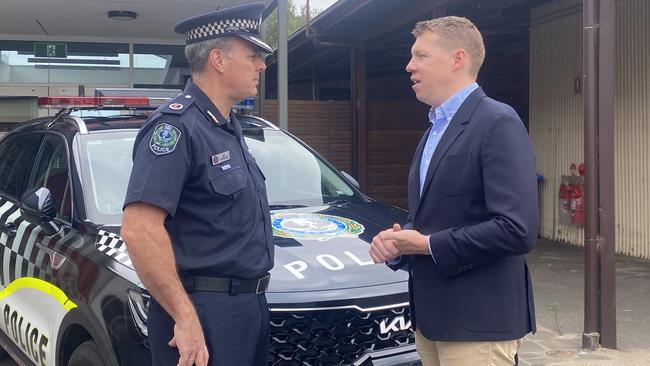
(70, 295)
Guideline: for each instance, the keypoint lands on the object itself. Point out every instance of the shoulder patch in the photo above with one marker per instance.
(164, 139)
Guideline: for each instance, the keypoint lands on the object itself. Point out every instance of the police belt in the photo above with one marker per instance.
(230, 285)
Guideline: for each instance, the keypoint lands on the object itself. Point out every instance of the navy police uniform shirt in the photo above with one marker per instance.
(193, 163)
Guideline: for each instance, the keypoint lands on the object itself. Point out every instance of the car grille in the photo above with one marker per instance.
(335, 337)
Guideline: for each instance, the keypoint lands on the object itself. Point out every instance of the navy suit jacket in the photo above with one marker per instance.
(479, 203)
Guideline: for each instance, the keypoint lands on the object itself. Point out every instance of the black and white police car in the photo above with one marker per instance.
(70, 295)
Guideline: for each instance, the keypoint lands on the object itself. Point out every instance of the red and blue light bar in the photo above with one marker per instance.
(100, 102)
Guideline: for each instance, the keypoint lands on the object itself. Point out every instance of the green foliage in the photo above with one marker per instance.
(296, 19)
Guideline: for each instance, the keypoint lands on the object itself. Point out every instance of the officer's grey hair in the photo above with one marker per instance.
(197, 53)
(454, 33)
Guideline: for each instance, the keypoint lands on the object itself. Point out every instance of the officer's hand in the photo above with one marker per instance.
(382, 250)
(188, 338)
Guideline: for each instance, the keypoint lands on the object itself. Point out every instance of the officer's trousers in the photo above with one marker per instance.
(236, 329)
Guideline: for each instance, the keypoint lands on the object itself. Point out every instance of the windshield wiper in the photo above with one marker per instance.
(337, 202)
(284, 207)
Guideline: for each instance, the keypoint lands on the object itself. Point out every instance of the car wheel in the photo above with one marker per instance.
(87, 354)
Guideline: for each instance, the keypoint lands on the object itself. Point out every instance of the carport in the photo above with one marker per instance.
(357, 50)
(349, 96)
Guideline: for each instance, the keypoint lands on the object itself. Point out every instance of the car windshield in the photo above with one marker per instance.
(106, 162)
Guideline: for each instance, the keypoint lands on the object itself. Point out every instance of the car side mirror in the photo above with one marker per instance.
(37, 207)
(351, 179)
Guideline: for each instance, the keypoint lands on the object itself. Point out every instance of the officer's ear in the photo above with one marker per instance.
(216, 59)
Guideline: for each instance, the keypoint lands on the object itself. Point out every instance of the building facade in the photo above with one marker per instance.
(556, 116)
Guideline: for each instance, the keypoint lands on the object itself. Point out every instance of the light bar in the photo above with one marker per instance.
(100, 102)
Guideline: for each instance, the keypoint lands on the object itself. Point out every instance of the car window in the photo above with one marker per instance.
(282, 159)
(106, 164)
(106, 167)
(17, 154)
(52, 173)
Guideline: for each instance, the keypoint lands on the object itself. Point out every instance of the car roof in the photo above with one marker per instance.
(71, 125)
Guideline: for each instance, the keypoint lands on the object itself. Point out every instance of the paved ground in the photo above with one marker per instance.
(558, 278)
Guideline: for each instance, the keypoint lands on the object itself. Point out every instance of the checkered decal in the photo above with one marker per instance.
(20, 255)
(222, 27)
(113, 246)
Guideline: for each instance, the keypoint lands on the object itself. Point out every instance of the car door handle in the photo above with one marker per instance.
(9, 228)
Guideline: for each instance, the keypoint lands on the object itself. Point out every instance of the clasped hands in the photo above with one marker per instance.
(392, 243)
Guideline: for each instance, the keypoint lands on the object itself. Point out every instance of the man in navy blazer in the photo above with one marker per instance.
(473, 212)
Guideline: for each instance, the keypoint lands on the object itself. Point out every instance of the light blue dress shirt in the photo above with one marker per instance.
(440, 118)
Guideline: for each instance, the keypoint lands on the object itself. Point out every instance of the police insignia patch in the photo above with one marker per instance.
(164, 139)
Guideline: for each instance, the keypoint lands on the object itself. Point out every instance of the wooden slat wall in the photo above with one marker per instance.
(394, 129)
(326, 126)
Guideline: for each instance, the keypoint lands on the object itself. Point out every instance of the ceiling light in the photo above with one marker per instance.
(122, 15)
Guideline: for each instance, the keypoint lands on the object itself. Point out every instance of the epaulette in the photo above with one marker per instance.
(178, 105)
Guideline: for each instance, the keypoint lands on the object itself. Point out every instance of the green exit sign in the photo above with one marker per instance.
(50, 50)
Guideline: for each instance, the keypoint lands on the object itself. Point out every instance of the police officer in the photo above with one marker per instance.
(196, 217)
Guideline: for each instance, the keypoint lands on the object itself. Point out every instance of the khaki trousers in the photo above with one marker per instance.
(434, 353)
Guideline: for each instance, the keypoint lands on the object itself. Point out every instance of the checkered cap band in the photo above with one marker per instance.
(225, 26)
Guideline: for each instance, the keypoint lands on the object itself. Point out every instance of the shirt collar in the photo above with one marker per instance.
(204, 103)
(447, 110)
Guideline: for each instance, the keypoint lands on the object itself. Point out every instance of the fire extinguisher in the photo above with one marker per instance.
(564, 197)
(577, 198)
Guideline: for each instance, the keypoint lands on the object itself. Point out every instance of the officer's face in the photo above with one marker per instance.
(242, 70)
(432, 69)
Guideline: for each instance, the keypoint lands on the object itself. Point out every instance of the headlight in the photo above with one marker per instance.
(139, 306)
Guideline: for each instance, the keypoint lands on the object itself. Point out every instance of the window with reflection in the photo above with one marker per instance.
(84, 63)
(159, 66)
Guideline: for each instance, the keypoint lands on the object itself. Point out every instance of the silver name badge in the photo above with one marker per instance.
(220, 158)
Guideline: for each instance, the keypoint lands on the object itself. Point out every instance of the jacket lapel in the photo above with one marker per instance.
(454, 130)
(414, 174)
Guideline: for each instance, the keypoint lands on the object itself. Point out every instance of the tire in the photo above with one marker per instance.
(87, 354)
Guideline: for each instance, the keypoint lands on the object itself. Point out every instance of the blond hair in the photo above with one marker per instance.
(456, 32)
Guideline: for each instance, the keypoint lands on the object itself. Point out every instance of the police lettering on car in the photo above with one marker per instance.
(196, 218)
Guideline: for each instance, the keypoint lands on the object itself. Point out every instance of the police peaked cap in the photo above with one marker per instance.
(243, 21)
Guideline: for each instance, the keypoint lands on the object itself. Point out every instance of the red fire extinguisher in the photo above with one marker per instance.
(577, 198)
(564, 197)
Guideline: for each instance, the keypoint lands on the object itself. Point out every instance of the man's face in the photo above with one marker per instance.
(242, 70)
(431, 67)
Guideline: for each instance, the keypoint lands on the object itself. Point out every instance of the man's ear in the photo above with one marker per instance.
(459, 59)
(216, 59)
